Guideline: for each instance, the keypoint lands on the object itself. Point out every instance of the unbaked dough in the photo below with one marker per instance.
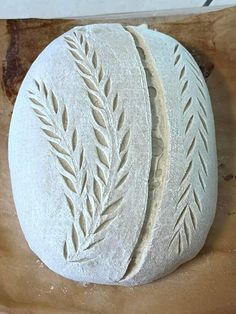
(112, 155)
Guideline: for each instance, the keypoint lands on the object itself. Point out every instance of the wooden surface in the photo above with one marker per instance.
(207, 284)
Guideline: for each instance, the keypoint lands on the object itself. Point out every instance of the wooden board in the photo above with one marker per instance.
(207, 284)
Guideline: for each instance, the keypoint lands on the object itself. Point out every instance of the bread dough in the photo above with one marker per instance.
(112, 155)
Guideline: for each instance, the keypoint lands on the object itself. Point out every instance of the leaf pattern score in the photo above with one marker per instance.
(195, 130)
(109, 133)
(88, 195)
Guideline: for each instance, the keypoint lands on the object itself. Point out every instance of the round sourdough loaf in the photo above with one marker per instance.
(112, 155)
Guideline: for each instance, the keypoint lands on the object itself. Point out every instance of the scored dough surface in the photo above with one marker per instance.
(112, 155)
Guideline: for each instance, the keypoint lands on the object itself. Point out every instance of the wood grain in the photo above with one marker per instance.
(204, 285)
